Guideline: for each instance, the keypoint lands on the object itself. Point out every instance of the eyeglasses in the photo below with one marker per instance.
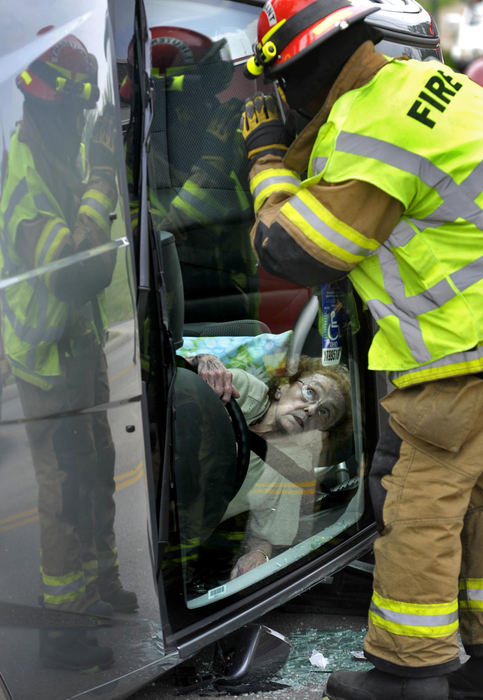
(311, 395)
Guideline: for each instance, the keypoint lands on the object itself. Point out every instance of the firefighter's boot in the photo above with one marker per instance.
(121, 600)
(73, 650)
(376, 685)
(467, 682)
(101, 608)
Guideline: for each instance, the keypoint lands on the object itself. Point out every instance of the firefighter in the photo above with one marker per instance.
(198, 186)
(54, 329)
(384, 184)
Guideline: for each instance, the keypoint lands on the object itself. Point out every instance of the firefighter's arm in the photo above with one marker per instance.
(313, 234)
(93, 226)
(266, 142)
(320, 233)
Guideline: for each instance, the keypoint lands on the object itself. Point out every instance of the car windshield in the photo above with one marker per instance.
(292, 350)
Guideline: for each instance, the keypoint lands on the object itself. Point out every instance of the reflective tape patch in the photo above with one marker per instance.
(107, 560)
(468, 362)
(409, 325)
(50, 239)
(318, 164)
(63, 589)
(471, 594)
(468, 275)
(96, 206)
(327, 231)
(414, 619)
(271, 180)
(197, 203)
(458, 199)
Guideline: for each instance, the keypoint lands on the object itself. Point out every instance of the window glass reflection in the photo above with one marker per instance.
(63, 246)
(198, 185)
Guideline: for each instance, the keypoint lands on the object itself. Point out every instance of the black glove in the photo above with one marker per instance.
(218, 147)
(262, 127)
(102, 149)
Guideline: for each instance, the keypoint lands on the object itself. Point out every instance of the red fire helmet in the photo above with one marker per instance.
(288, 29)
(174, 49)
(65, 71)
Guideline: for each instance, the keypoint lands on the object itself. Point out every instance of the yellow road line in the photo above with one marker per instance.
(129, 478)
(121, 373)
(18, 515)
(127, 475)
(29, 516)
(19, 523)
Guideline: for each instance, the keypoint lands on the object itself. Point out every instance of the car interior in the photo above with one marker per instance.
(223, 303)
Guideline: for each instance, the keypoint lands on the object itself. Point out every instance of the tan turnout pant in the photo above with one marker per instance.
(430, 552)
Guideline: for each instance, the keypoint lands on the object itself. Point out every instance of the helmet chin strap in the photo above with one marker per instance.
(304, 114)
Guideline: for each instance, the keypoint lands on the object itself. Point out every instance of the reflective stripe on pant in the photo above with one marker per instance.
(73, 459)
(471, 580)
(433, 504)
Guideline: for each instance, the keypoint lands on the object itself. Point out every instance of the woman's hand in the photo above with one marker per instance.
(215, 374)
(247, 562)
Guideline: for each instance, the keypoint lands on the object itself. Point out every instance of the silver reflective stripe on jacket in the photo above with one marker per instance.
(274, 180)
(318, 164)
(407, 308)
(465, 358)
(458, 200)
(328, 232)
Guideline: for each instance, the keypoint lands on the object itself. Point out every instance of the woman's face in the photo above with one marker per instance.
(313, 402)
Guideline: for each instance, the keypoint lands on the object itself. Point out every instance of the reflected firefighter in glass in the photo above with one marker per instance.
(198, 186)
(54, 206)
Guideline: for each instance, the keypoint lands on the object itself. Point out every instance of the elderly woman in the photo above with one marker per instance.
(301, 420)
(300, 417)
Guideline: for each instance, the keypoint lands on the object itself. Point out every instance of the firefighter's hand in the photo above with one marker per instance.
(262, 127)
(104, 141)
(218, 147)
(215, 374)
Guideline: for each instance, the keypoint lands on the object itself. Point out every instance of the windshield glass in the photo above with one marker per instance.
(291, 350)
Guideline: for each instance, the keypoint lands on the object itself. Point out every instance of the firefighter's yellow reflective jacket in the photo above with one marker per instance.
(425, 284)
(414, 132)
(36, 320)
